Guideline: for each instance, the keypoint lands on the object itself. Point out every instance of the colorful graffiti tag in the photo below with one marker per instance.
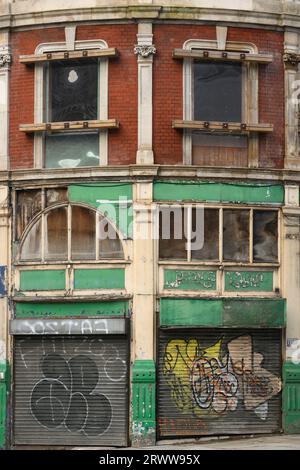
(214, 380)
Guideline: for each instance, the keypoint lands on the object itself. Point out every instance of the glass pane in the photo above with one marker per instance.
(29, 203)
(236, 235)
(73, 90)
(218, 91)
(172, 240)
(56, 234)
(83, 233)
(31, 248)
(56, 195)
(219, 150)
(71, 150)
(265, 236)
(110, 245)
(210, 250)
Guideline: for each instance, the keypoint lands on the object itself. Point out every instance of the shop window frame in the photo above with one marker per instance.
(44, 261)
(189, 261)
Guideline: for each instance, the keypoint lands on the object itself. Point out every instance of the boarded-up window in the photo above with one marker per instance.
(236, 235)
(83, 233)
(219, 149)
(265, 236)
(218, 97)
(210, 250)
(56, 234)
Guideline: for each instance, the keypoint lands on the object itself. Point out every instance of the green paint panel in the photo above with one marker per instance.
(291, 398)
(249, 281)
(80, 309)
(4, 387)
(143, 403)
(190, 312)
(190, 280)
(219, 192)
(233, 313)
(261, 313)
(105, 197)
(49, 279)
(99, 279)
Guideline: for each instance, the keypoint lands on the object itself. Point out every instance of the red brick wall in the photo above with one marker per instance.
(168, 89)
(122, 90)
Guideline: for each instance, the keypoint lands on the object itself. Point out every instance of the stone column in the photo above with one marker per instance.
(4, 347)
(5, 61)
(143, 325)
(145, 51)
(292, 97)
(291, 264)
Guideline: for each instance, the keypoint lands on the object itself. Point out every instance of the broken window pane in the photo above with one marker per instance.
(31, 248)
(56, 195)
(210, 250)
(56, 234)
(73, 90)
(219, 150)
(83, 233)
(265, 236)
(172, 239)
(236, 235)
(110, 245)
(29, 203)
(217, 91)
(68, 150)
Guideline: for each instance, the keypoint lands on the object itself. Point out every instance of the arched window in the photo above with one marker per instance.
(71, 233)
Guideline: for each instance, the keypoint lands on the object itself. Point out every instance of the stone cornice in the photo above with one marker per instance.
(18, 178)
(274, 17)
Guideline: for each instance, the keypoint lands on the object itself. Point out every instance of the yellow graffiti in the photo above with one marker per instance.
(212, 380)
(180, 356)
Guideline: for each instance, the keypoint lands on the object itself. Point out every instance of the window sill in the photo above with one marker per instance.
(224, 127)
(67, 55)
(218, 264)
(222, 55)
(72, 125)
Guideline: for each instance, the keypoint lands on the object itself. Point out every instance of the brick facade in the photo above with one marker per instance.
(167, 89)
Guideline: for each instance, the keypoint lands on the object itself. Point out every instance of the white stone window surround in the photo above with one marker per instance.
(249, 97)
(39, 95)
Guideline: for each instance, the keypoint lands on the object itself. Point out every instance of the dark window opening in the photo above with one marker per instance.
(73, 90)
(218, 91)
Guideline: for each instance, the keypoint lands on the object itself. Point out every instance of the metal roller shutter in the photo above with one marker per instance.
(219, 382)
(71, 390)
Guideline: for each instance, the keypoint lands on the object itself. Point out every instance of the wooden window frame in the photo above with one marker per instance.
(220, 262)
(97, 48)
(249, 99)
(42, 215)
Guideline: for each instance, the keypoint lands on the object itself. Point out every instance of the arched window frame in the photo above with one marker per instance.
(41, 216)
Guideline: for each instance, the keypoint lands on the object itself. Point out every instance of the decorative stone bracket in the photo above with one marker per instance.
(5, 59)
(144, 50)
(291, 59)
